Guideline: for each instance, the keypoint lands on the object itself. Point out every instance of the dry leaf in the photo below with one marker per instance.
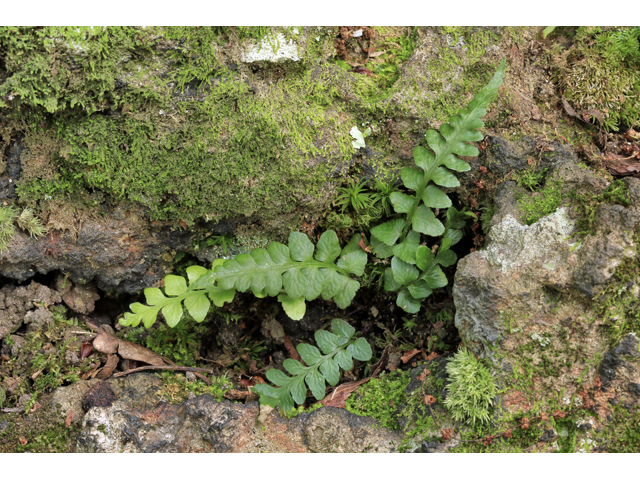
(131, 351)
(340, 394)
(622, 166)
(110, 366)
(429, 400)
(288, 344)
(105, 342)
(22, 440)
(233, 394)
(632, 135)
(423, 375)
(409, 355)
(69, 418)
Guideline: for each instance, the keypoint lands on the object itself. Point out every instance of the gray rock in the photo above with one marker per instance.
(138, 422)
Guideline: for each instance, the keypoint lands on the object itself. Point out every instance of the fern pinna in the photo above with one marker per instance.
(300, 272)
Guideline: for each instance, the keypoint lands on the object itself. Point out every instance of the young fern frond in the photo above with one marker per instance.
(415, 270)
(292, 273)
(339, 349)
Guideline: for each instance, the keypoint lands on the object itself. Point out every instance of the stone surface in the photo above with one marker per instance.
(19, 304)
(138, 422)
(525, 300)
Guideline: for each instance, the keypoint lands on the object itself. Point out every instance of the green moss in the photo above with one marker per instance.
(381, 398)
(472, 389)
(7, 229)
(604, 74)
(176, 388)
(587, 204)
(541, 203)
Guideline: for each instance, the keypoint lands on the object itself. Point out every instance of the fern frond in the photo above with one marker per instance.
(338, 350)
(292, 273)
(415, 270)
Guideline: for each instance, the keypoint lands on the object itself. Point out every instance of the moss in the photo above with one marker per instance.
(41, 432)
(381, 398)
(603, 74)
(176, 388)
(541, 203)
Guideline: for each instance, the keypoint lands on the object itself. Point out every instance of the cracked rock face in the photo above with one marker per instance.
(138, 422)
(525, 300)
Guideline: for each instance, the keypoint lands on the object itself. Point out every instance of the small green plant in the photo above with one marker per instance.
(543, 203)
(531, 179)
(472, 389)
(294, 274)
(339, 349)
(415, 268)
(354, 195)
(29, 222)
(383, 194)
(7, 230)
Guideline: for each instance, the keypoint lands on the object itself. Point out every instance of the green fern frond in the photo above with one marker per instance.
(338, 351)
(292, 273)
(295, 275)
(415, 270)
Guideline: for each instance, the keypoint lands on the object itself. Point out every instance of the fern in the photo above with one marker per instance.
(339, 349)
(415, 269)
(295, 274)
(292, 273)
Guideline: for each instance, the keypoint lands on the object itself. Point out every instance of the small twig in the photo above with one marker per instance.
(250, 332)
(82, 332)
(195, 370)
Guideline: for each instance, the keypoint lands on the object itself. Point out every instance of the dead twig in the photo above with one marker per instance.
(179, 368)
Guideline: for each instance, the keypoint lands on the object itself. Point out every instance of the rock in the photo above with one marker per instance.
(69, 398)
(138, 422)
(123, 254)
(272, 329)
(17, 304)
(620, 370)
(100, 395)
(524, 302)
(79, 298)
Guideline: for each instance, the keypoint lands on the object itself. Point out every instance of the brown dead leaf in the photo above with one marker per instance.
(288, 344)
(632, 135)
(22, 440)
(622, 166)
(429, 400)
(340, 394)
(535, 113)
(107, 343)
(69, 419)
(91, 373)
(423, 375)
(363, 245)
(409, 355)
(131, 351)
(431, 356)
(110, 366)
(233, 394)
